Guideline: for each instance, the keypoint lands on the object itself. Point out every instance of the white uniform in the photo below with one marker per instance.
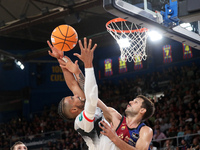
(87, 122)
(94, 139)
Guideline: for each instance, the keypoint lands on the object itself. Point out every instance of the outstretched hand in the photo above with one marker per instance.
(54, 51)
(69, 65)
(108, 130)
(87, 53)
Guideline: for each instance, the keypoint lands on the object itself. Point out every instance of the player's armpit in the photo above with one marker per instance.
(104, 108)
(146, 135)
(115, 113)
(110, 114)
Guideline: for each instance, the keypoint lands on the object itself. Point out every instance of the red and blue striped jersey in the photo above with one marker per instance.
(128, 135)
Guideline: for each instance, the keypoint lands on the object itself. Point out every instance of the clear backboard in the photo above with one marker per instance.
(175, 19)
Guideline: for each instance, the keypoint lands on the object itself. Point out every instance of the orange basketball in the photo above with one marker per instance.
(64, 37)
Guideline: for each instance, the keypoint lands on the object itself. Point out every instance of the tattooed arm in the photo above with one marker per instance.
(74, 68)
(80, 78)
(68, 75)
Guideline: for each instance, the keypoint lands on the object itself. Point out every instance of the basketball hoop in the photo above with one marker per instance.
(130, 37)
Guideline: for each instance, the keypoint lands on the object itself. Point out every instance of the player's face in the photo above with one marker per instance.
(75, 101)
(134, 106)
(20, 147)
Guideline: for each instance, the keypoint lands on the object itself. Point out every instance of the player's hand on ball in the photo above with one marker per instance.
(54, 51)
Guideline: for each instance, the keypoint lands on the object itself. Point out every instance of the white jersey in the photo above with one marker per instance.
(94, 139)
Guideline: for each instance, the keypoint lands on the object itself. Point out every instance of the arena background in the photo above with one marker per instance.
(24, 93)
(41, 83)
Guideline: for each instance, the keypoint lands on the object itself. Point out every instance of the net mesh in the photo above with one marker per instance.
(131, 39)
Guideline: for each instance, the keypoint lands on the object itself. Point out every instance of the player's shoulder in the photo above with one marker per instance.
(146, 129)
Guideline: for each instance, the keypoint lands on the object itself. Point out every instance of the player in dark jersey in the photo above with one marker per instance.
(129, 135)
(131, 129)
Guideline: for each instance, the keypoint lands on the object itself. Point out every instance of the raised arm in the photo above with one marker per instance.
(87, 57)
(69, 77)
(75, 70)
(91, 89)
(69, 69)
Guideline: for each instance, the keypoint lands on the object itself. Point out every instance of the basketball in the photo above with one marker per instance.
(64, 37)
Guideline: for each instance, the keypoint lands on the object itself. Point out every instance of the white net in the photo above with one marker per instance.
(131, 39)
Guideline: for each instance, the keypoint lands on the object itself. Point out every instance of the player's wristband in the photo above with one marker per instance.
(65, 59)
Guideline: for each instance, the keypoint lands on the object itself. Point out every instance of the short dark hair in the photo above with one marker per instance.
(148, 105)
(16, 143)
(60, 109)
(64, 110)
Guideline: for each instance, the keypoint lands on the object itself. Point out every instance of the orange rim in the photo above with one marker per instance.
(124, 31)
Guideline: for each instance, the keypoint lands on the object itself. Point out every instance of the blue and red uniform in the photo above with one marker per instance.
(128, 135)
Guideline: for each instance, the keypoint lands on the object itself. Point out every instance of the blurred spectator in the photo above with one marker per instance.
(158, 118)
(172, 130)
(180, 131)
(196, 122)
(195, 144)
(159, 135)
(152, 147)
(184, 145)
(168, 145)
(188, 131)
(198, 128)
(163, 126)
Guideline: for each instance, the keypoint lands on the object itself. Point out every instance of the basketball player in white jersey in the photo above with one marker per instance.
(87, 121)
(140, 140)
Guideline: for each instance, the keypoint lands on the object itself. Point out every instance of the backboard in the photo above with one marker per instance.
(169, 17)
